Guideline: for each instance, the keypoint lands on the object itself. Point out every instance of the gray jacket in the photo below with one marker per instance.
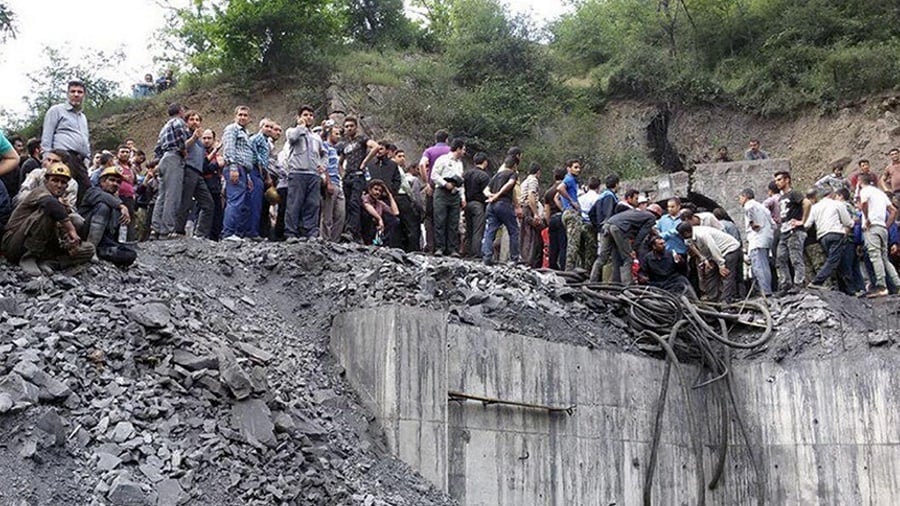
(305, 151)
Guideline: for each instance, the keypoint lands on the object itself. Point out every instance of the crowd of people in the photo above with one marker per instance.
(325, 180)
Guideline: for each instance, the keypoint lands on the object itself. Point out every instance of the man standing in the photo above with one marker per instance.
(426, 164)
(239, 160)
(103, 214)
(447, 178)
(832, 221)
(789, 257)
(174, 140)
(271, 176)
(864, 167)
(532, 220)
(334, 207)
(127, 185)
(304, 166)
(410, 212)
(571, 217)
(40, 228)
(587, 242)
(668, 230)
(760, 233)
(891, 174)
(259, 143)
(194, 188)
(475, 181)
(384, 168)
(878, 215)
(66, 127)
(212, 178)
(754, 153)
(501, 211)
(356, 150)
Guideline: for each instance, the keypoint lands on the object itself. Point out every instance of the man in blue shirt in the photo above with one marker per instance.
(571, 217)
(667, 226)
(239, 160)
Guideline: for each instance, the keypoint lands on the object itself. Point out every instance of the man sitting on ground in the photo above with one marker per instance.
(103, 213)
(659, 267)
(40, 228)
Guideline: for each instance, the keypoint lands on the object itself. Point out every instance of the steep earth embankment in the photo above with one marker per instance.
(669, 134)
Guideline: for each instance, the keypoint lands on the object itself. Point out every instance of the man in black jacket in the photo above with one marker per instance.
(619, 233)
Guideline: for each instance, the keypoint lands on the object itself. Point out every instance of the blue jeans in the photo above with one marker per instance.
(304, 200)
(501, 213)
(760, 269)
(236, 204)
(255, 203)
(833, 244)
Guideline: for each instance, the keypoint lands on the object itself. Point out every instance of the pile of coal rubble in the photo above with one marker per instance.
(201, 375)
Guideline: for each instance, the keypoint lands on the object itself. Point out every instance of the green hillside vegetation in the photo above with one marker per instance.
(499, 79)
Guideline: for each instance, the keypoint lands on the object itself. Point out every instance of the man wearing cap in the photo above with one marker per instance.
(621, 232)
(40, 228)
(103, 214)
(66, 127)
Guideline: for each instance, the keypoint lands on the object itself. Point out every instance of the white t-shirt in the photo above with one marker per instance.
(878, 204)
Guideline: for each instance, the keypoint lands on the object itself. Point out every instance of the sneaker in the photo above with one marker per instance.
(438, 253)
(174, 236)
(233, 238)
(876, 293)
(816, 286)
(488, 261)
(456, 254)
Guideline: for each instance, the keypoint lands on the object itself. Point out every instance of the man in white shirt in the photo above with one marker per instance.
(878, 214)
(832, 220)
(760, 234)
(719, 260)
(447, 178)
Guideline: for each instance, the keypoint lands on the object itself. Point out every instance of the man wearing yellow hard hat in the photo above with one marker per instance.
(40, 229)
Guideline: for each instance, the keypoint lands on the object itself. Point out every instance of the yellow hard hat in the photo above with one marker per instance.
(272, 196)
(58, 169)
(111, 171)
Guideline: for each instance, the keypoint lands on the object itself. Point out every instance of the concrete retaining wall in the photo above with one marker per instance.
(824, 431)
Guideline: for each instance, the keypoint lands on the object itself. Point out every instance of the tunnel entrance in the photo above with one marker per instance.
(661, 150)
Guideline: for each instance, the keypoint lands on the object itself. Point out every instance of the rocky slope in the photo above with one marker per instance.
(202, 375)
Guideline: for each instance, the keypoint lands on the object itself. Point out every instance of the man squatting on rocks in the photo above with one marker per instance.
(320, 185)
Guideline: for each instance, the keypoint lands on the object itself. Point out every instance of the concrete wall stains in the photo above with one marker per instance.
(825, 431)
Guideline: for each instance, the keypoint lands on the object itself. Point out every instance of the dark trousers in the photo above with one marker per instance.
(475, 219)
(557, 247)
(79, 174)
(833, 244)
(304, 198)
(354, 185)
(410, 232)
(194, 189)
(532, 248)
(214, 185)
(278, 231)
(255, 203)
(446, 221)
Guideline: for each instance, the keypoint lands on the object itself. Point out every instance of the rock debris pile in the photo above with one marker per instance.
(202, 375)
